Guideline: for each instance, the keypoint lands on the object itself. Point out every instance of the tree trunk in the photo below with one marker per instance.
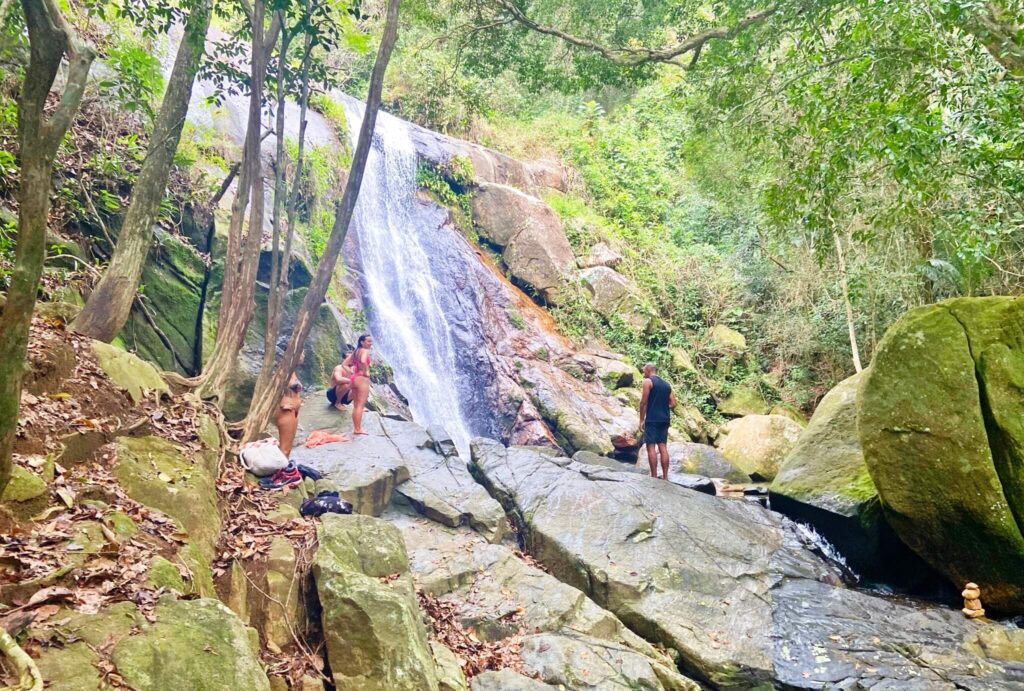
(281, 260)
(274, 297)
(265, 400)
(50, 39)
(243, 252)
(1000, 29)
(110, 303)
(850, 324)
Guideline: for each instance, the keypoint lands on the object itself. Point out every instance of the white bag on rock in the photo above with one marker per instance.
(263, 457)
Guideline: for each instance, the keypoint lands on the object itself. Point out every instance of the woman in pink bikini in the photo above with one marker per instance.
(360, 386)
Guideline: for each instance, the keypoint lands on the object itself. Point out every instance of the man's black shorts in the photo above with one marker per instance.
(655, 432)
(332, 396)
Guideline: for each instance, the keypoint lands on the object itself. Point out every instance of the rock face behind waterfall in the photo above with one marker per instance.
(729, 586)
(940, 422)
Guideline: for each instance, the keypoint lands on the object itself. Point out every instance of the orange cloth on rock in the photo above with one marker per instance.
(322, 436)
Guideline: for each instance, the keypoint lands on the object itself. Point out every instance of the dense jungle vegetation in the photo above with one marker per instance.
(863, 153)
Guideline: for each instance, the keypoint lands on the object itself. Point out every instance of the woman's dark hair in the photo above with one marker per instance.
(362, 339)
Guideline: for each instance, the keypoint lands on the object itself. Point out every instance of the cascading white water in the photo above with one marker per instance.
(405, 311)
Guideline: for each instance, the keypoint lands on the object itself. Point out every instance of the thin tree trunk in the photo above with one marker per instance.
(110, 303)
(281, 260)
(243, 253)
(851, 325)
(280, 193)
(50, 39)
(1001, 30)
(265, 400)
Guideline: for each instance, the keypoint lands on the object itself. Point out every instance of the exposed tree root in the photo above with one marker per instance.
(29, 678)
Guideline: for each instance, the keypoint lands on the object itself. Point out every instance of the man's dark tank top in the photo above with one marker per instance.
(657, 400)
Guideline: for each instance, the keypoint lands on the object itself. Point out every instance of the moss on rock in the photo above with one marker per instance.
(157, 473)
(129, 371)
(376, 640)
(194, 644)
(927, 444)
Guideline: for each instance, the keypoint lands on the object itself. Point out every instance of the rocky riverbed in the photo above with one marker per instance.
(632, 582)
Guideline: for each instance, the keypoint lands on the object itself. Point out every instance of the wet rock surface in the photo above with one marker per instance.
(828, 637)
(725, 584)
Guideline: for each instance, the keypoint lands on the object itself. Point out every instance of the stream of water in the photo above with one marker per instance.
(407, 307)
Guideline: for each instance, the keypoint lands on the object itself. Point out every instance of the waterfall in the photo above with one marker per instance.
(408, 308)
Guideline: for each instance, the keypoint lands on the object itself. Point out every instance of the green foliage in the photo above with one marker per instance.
(139, 78)
(320, 185)
(516, 318)
(448, 182)
(8, 234)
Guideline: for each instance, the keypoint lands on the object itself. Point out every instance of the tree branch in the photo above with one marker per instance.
(628, 56)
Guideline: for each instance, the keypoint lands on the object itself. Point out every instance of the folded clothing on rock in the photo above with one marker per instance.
(322, 436)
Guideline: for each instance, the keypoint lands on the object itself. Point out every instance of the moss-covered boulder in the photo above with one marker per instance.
(745, 399)
(129, 371)
(725, 340)
(825, 482)
(173, 277)
(939, 422)
(194, 644)
(159, 474)
(25, 493)
(756, 444)
(376, 640)
(826, 467)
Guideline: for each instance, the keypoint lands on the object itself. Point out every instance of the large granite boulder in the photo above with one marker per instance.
(757, 443)
(701, 459)
(530, 234)
(723, 584)
(189, 644)
(372, 624)
(940, 425)
(665, 560)
(615, 296)
(499, 595)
